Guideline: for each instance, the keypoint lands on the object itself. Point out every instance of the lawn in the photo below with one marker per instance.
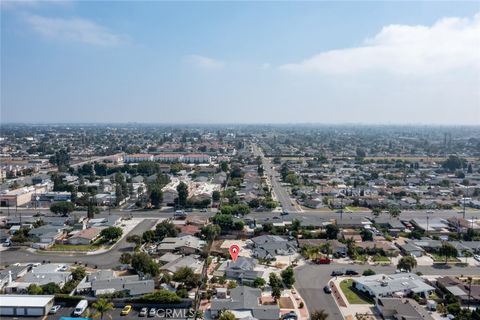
(99, 244)
(74, 247)
(352, 295)
(380, 259)
(356, 209)
(439, 258)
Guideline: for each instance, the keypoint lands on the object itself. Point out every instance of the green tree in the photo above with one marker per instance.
(319, 315)
(368, 272)
(182, 190)
(142, 262)
(226, 315)
(125, 258)
(78, 273)
(187, 276)
(165, 229)
(332, 231)
(111, 233)
(259, 282)
(34, 289)
(216, 195)
(162, 296)
(102, 307)
(407, 263)
(211, 231)
(453, 163)
(156, 196)
(62, 207)
(448, 251)
(288, 277)
(394, 211)
(376, 211)
(135, 238)
(51, 288)
(276, 293)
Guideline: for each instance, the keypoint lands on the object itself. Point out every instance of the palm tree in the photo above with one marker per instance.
(319, 315)
(101, 307)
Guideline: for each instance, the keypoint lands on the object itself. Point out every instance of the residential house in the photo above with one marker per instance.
(269, 246)
(382, 285)
(242, 270)
(186, 245)
(466, 294)
(85, 237)
(401, 309)
(245, 302)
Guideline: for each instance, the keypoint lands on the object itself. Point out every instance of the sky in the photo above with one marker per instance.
(375, 62)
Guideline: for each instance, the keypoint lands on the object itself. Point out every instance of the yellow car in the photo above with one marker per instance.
(126, 310)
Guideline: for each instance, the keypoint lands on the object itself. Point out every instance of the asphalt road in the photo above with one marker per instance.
(107, 259)
(311, 278)
(280, 191)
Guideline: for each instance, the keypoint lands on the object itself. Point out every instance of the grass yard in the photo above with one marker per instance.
(381, 259)
(352, 295)
(356, 209)
(73, 247)
(439, 258)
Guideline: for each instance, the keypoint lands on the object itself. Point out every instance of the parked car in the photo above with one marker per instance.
(323, 261)
(351, 272)
(152, 312)
(327, 289)
(477, 257)
(126, 310)
(336, 273)
(54, 309)
(143, 312)
(284, 213)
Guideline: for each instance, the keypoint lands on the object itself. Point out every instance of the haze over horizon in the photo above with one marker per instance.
(249, 63)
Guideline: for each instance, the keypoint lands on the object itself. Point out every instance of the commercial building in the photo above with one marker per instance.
(25, 305)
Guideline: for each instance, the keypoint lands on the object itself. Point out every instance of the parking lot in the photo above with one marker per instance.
(115, 314)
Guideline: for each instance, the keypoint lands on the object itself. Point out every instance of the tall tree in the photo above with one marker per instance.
(407, 263)
(182, 190)
(448, 251)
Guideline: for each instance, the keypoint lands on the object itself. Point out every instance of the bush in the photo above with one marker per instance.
(368, 272)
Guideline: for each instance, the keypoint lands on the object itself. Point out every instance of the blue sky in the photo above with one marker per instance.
(246, 62)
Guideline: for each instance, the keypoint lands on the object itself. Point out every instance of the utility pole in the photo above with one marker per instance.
(427, 224)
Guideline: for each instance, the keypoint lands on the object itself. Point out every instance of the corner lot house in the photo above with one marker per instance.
(12, 305)
(381, 285)
(85, 237)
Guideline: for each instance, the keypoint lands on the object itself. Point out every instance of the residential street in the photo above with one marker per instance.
(102, 260)
(311, 278)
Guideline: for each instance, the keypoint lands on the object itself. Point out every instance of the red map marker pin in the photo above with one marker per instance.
(234, 251)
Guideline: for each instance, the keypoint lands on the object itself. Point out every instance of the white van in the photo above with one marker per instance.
(80, 308)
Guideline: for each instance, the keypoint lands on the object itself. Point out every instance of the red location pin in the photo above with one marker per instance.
(234, 251)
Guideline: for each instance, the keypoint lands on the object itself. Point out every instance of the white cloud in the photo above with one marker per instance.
(203, 62)
(449, 44)
(75, 30)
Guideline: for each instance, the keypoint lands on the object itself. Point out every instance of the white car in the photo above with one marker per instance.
(63, 268)
(477, 257)
(54, 309)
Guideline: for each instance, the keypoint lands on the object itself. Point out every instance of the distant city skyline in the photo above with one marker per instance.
(246, 63)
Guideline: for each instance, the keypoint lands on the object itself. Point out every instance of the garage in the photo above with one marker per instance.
(25, 305)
